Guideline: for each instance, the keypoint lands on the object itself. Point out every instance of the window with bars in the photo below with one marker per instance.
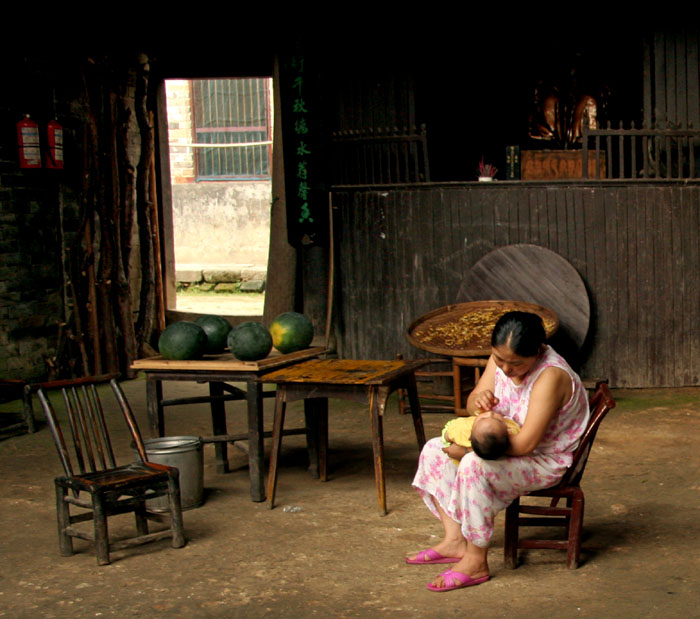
(233, 116)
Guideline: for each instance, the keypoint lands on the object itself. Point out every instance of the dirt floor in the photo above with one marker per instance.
(325, 551)
(251, 304)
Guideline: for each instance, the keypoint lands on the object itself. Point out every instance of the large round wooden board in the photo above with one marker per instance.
(464, 329)
(535, 275)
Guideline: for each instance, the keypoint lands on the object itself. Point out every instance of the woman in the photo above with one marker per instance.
(527, 381)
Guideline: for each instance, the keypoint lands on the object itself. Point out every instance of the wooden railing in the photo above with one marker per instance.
(642, 154)
(380, 155)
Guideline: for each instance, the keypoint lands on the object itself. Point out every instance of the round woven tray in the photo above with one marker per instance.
(464, 329)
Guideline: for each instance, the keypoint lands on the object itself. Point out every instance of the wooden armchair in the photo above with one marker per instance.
(91, 469)
(570, 516)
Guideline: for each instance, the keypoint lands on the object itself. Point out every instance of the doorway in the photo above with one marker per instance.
(220, 160)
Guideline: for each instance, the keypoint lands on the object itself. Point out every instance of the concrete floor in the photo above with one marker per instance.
(325, 551)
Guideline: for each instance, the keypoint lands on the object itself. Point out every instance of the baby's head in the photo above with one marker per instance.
(489, 436)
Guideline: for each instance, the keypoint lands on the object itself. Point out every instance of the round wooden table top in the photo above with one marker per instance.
(533, 274)
(464, 329)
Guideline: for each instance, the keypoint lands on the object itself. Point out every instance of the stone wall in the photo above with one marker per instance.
(31, 306)
(223, 222)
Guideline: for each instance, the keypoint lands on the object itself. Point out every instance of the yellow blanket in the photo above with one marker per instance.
(459, 430)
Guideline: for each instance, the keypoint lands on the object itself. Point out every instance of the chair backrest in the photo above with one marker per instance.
(91, 447)
(600, 403)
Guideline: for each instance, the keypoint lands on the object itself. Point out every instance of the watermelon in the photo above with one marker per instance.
(182, 340)
(249, 341)
(291, 331)
(217, 329)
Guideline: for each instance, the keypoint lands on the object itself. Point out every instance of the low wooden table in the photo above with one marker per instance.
(369, 382)
(218, 370)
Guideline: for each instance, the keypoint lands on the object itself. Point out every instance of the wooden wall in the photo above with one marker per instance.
(672, 80)
(402, 252)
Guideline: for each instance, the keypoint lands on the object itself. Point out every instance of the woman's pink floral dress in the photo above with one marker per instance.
(476, 490)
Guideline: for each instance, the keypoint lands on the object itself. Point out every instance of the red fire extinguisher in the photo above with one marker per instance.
(54, 152)
(28, 142)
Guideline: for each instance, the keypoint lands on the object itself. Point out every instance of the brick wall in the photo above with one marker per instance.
(180, 131)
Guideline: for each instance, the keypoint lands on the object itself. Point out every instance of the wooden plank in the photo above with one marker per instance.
(670, 294)
(375, 284)
(600, 223)
(500, 210)
(679, 89)
(652, 286)
(544, 278)
(660, 79)
(644, 263)
(647, 106)
(690, 205)
(627, 279)
(350, 249)
(613, 279)
(343, 372)
(693, 79)
(225, 362)
(678, 370)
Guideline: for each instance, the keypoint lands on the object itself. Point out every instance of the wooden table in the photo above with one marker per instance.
(217, 371)
(369, 382)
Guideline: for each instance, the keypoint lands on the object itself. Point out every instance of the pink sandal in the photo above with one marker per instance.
(457, 580)
(430, 557)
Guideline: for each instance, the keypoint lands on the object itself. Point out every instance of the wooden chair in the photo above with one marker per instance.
(570, 516)
(110, 489)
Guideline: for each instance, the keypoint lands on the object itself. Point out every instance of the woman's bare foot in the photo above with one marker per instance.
(473, 564)
(448, 548)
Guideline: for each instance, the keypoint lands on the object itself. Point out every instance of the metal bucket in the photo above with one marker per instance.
(185, 454)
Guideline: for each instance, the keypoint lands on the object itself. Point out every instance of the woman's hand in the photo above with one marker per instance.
(456, 451)
(482, 397)
(485, 400)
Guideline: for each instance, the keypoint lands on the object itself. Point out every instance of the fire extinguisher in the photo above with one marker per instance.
(28, 142)
(54, 152)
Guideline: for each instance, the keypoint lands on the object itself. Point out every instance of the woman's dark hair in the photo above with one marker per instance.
(490, 446)
(521, 331)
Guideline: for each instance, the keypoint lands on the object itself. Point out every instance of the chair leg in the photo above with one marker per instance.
(28, 412)
(412, 391)
(65, 541)
(141, 519)
(377, 403)
(175, 505)
(510, 545)
(101, 540)
(575, 531)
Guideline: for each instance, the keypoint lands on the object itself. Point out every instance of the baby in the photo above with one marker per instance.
(486, 434)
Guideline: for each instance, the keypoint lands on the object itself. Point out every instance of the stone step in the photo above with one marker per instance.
(220, 273)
